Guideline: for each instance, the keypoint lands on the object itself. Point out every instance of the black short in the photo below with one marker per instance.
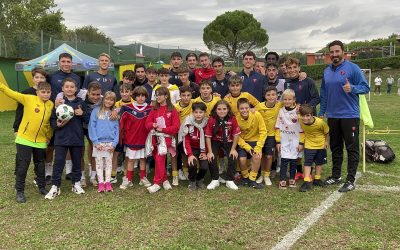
(314, 155)
(269, 146)
(243, 153)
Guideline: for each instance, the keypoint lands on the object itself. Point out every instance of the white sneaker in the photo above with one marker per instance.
(260, 179)
(267, 181)
(94, 182)
(231, 185)
(181, 175)
(54, 191)
(125, 183)
(213, 184)
(222, 180)
(154, 188)
(77, 189)
(175, 181)
(166, 185)
(145, 182)
(113, 180)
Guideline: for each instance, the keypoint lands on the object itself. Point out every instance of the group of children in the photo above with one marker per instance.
(194, 126)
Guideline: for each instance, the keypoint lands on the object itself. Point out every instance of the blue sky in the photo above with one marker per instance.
(291, 25)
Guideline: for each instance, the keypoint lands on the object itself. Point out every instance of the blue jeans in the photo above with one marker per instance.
(284, 164)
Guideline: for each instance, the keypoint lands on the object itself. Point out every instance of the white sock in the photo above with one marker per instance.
(83, 175)
(68, 166)
(48, 168)
(93, 175)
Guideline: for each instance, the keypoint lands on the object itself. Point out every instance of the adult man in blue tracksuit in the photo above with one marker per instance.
(341, 84)
(106, 80)
(253, 82)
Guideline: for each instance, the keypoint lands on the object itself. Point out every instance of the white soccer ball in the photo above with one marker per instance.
(64, 112)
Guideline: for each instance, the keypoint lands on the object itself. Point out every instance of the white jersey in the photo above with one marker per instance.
(289, 126)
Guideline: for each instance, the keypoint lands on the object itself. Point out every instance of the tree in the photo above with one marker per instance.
(233, 33)
(92, 34)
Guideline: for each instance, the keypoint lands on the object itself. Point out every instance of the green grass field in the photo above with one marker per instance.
(220, 219)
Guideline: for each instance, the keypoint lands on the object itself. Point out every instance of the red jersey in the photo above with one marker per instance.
(232, 129)
(192, 140)
(202, 73)
(170, 119)
(133, 125)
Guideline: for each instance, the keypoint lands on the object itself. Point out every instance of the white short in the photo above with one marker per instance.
(135, 154)
(103, 152)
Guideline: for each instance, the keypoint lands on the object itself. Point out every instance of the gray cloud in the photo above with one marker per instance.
(291, 25)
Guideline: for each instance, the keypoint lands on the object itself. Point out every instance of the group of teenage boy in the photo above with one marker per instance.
(259, 119)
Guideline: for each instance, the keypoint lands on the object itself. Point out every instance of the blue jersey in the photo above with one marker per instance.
(253, 84)
(56, 80)
(107, 82)
(336, 103)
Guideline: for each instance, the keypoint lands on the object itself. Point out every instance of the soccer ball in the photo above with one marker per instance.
(64, 112)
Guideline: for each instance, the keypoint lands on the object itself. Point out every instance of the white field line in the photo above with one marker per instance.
(378, 188)
(382, 174)
(290, 239)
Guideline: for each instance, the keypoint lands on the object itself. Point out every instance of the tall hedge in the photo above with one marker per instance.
(316, 71)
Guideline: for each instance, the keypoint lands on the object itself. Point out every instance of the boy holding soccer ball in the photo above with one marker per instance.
(68, 136)
(33, 134)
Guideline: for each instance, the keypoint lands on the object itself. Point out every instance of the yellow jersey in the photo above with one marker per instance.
(252, 130)
(121, 103)
(315, 134)
(183, 111)
(233, 101)
(269, 115)
(210, 105)
(173, 92)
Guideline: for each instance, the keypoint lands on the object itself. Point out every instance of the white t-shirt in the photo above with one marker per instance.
(378, 81)
(289, 126)
(173, 91)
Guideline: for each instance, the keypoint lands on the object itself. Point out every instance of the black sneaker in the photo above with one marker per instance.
(48, 180)
(243, 182)
(331, 181)
(21, 197)
(254, 184)
(305, 187)
(318, 183)
(347, 186)
(192, 186)
(68, 176)
(200, 184)
(43, 191)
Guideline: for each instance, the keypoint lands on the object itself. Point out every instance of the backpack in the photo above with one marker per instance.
(378, 151)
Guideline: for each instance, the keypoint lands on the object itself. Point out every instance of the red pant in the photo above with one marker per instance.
(160, 172)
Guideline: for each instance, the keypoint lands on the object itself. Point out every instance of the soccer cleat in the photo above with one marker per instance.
(200, 184)
(42, 191)
(213, 185)
(101, 187)
(108, 187)
(298, 176)
(267, 181)
(192, 186)
(331, 181)
(144, 182)
(77, 189)
(175, 180)
(282, 185)
(154, 188)
(83, 182)
(254, 184)
(20, 197)
(306, 186)
(347, 186)
(260, 179)
(231, 185)
(221, 180)
(94, 182)
(243, 182)
(292, 183)
(54, 191)
(318, 183)
(35, 182)
(167, 185)
(114, 179)
(125, 183)
(182, 175)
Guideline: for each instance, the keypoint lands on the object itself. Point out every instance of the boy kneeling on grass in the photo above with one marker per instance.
(316, 141)
(33, 135)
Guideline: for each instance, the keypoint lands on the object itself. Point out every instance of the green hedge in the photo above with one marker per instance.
(316, 71)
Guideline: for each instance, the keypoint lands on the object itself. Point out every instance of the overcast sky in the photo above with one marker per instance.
(305, 26)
